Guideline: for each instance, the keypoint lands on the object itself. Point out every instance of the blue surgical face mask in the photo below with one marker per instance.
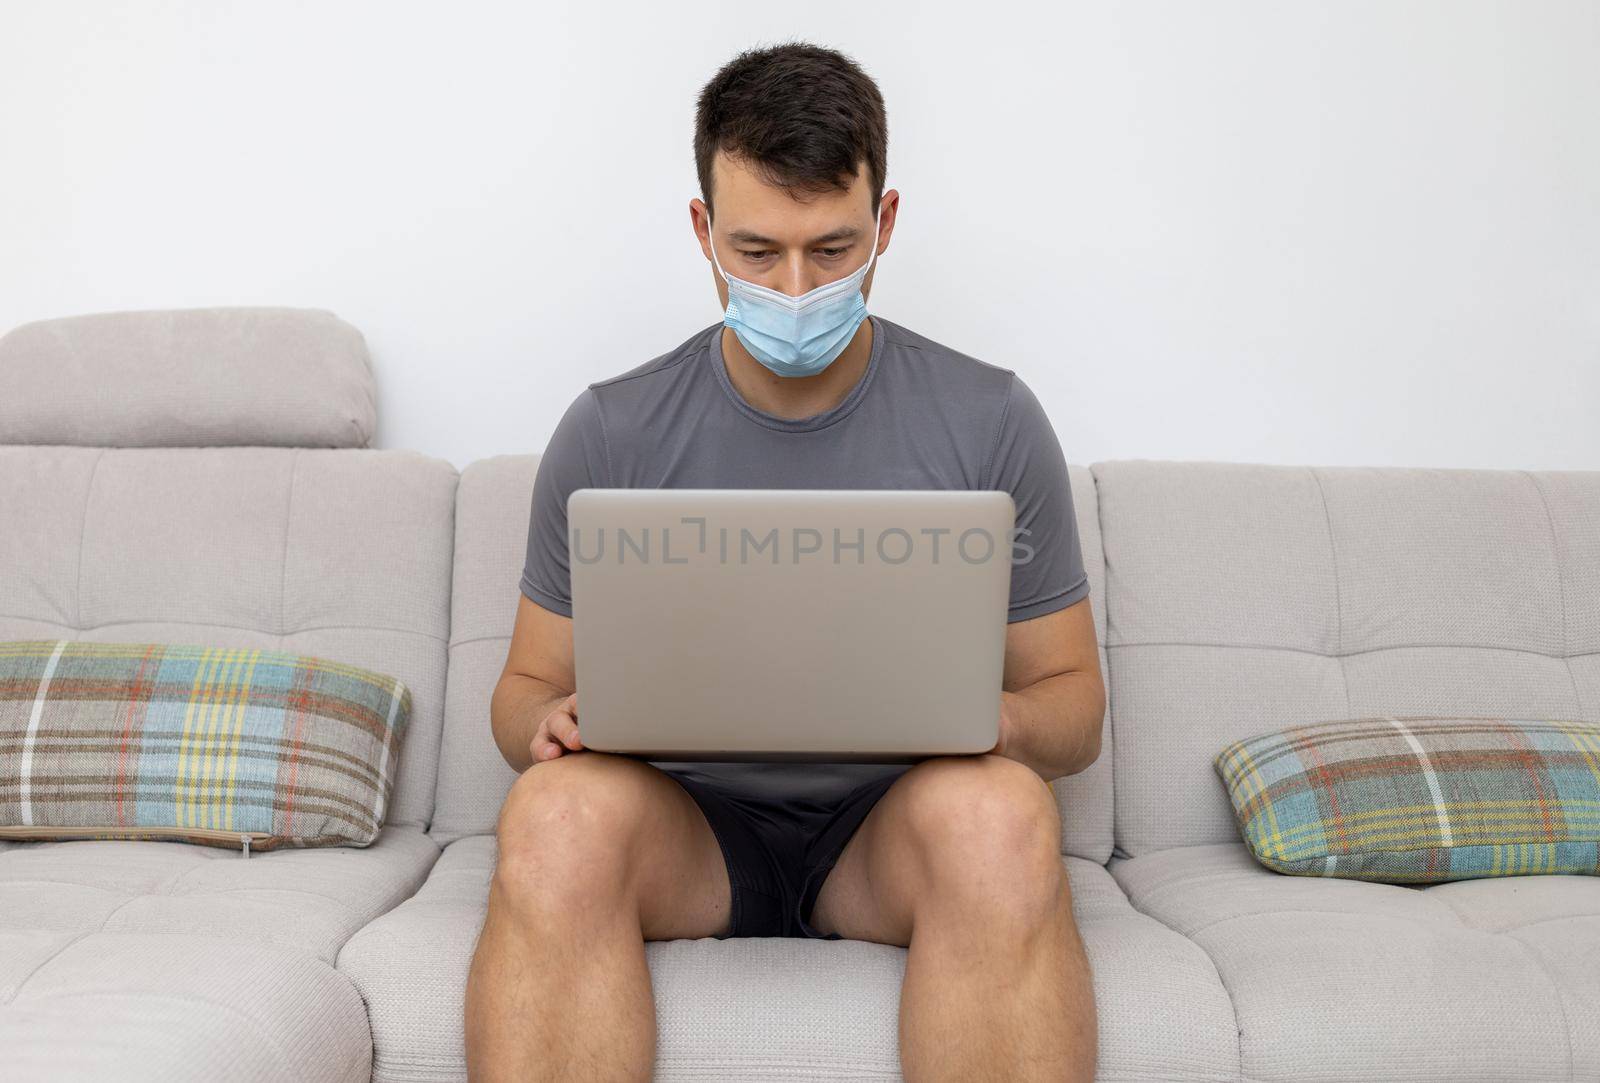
(797, 336)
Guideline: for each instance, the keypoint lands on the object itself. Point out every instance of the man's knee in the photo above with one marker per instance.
(567, 828)
(986, 828)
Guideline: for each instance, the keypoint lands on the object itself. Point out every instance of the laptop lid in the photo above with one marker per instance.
(789, 624)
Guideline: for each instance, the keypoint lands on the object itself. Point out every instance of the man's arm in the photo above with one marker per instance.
(533, 700)
(1053, 699)
(537, 679)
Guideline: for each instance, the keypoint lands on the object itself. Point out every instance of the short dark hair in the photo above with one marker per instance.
(801, 115)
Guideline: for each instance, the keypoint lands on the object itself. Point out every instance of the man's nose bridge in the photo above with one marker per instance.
(795, 283)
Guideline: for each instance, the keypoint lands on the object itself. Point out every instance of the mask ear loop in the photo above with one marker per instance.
(877, 224)
(711, 243)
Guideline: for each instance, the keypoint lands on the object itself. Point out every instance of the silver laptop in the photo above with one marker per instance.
(789, 624)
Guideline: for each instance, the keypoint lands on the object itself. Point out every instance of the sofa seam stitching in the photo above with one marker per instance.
(444, 681)
(245, 628)
(83, 542)
(1561, 587)
(1238, 1030)
(1338, 594)
(1350, 654)
(1105, 645)
(283, 579)
(17, 991)
(1326, 910)
(1561, 1000)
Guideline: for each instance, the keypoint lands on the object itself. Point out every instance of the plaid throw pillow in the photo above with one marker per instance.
(247, 748)
(1419, 799)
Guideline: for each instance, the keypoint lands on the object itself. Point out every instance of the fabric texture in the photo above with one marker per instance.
(1419, 799)
(140, 1007)
(310, 899)
(336, 553)
(1335, 979)
(1245, 597)
(285, 377)
(194, 743)
(134, 959)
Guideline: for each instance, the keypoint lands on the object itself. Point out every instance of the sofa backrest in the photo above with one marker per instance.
(493, 502)
(1242, 598)
(493, 507)
(111, 532)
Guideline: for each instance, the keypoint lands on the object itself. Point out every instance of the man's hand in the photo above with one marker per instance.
(558, 732)
(1006, 725)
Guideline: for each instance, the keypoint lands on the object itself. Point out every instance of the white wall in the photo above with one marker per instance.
(1330, 233)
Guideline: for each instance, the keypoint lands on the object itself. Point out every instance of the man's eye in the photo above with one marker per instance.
(756, 255)
(831, 252)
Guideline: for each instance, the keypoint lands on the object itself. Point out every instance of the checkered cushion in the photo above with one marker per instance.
(1419, 799)
(247, 748)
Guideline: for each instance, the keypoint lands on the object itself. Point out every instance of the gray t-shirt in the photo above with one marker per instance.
(922, 416)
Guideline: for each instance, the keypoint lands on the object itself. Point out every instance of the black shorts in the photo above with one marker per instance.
(779, 852)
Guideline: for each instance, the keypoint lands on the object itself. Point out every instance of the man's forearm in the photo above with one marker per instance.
(1053, 726)
(516, 708)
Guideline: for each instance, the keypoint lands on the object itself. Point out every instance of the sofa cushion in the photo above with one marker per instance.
(1419, 800)
(172, 1008)
(336, 553)
(308, 899)
(1247, 597)
(493, 513)
(783, 1008)
(286, 377)
(1350, 979)
(200, 744)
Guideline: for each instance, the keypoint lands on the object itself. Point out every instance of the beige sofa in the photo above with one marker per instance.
(205, 476)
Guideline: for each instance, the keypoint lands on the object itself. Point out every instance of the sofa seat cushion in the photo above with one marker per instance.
(174, 1008)
(783, 1009)
(311, 900)
(1351, 979)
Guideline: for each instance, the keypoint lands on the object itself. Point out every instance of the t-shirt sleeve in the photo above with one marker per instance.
(1047, 571)
(573, 459)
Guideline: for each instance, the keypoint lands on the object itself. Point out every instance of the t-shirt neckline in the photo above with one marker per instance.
(796, 424)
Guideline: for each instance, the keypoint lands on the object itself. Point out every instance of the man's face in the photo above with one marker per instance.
(766, 236)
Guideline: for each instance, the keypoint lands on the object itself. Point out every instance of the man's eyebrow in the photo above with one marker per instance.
(843, 233)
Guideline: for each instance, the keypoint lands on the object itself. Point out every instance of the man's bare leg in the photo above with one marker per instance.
(597, 853)
(959, 861)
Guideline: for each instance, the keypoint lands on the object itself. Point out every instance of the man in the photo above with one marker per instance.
(957, 857)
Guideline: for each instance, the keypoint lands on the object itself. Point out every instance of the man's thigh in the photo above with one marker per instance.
(870, 893)
(865, 895)
(675, 863)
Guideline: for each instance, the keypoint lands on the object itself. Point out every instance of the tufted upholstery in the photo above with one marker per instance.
(343, 553)
(1245, 597)
(195, 962)
(1242, 598)
(158, 1007)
